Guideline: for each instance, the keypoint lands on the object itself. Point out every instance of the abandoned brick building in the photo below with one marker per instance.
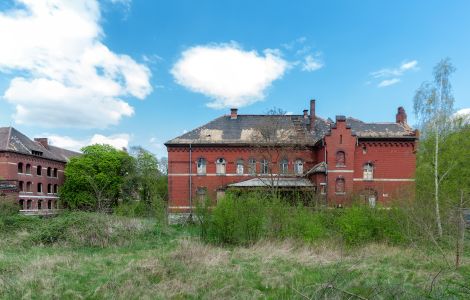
(31, 172)
(336, 160)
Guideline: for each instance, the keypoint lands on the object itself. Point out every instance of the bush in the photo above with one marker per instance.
(8, 208)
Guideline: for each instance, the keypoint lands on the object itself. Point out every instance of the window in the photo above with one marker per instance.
(368, 171)
(49, 204)
(340, 159)
(220, 166)
(21, 204)
(220, 194)
(49, 188)
(201, 166)
(28, 169)
(20, 167)
(240, 167)
(21, 186)
(39, 187)
(201, 194)
(49, 172)
(55, 173)
(323, 188)
(37, 153)
(264, 166)
(56, 188)
(252, 166)
(39, 204)
(299, 167)
(39, 170)
(339, 188)
(340, 138)
(28, 186)
(284, 166)
(29, 204)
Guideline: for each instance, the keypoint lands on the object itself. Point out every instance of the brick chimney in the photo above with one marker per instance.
(43, 142)
(305, 113)
(312, 114)
(401, 115)
(233, 113)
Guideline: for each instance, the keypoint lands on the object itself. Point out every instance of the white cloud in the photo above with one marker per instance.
(463, 114)
(390, 76)
(311, 64)
(118, 141)
(229, 75)
(69, 77)
(388, 82)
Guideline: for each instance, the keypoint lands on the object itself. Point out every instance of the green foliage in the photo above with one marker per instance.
(94, 179)
(8, 208)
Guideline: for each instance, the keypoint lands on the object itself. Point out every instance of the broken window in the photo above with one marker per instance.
(201, 166)
(56, 188)
(49, 188)
(220, 166)
(21, 204)
(49, 172)
(284, 166)
(29, 204)
(240, 167)
(264, 166)
(299, 167)
(39, 170)
(21, 186)
(39, 187)
(20, 167)
(340, 186)
(252, 166)
(340, 159)
(368, 171)
(49, 204)
(39, 204)
(55, 173)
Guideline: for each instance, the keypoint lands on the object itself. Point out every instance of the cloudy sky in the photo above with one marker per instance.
(137, 72)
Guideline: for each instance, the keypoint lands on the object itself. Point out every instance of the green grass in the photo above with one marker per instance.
(131, 258)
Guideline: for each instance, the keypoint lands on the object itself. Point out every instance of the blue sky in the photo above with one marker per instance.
(135, 72)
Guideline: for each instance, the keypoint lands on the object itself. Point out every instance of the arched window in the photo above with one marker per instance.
(252, 166)
(28, 186)
(39, 187)
(299, 167)
(368, 171)
(20, 167)
(220, 166)
(28, 169)
(201, 193)
(56, 188)
(49, 188)
(284, 166)
(49, 172)
(240, 167)
(21, 204)
(201, 166)
(49, 204)
(39, 170)
(340, 159)
(55, 173)
(29, 204)
(39, 204)
(21, 186)
(264, 166)
(339, 187)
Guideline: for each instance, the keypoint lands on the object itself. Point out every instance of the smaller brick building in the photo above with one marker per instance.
(31, 171)
(336, 160)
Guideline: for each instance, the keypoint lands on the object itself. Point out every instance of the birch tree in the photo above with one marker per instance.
(433, 107)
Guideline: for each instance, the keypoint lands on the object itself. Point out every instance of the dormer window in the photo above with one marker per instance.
(37, 153)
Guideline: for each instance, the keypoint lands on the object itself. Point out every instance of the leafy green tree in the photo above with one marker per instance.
(433, 106)
(95, 179)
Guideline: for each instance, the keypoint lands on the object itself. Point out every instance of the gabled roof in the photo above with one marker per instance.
(294, 129)
(318, 168)
(14, 141)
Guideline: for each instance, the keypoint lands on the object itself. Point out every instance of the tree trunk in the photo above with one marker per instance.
(460, 233)
(436, 185)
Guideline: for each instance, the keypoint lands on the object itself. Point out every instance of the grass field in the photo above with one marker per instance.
(92, 256)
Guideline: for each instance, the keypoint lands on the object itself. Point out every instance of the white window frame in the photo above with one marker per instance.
(299, 167)
(240, 167)
(368, 171)
(201, 165)
(220, 166)
(284, 166)
(264, 167)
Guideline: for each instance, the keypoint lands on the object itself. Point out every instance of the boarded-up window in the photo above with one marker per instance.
(220, 166)
(340, 159)
(340, 186)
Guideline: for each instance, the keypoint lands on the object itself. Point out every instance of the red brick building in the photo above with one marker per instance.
(334, 160)
(31, 172)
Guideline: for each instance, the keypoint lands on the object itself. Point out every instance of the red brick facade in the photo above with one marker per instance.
(359, 164)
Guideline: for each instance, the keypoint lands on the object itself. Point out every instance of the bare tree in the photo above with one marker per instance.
(433, 106)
